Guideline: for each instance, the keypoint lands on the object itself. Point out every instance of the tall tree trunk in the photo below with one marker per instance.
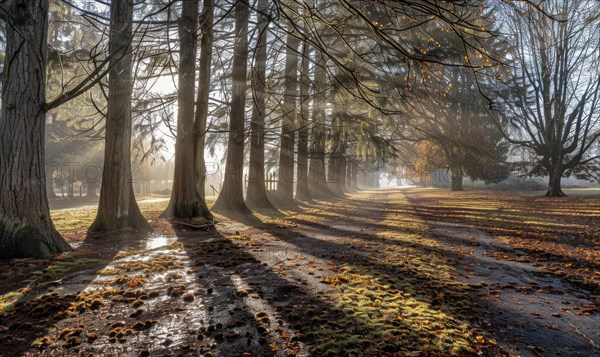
(343, 176)
(285, 185)
(348, 185)
(50, 184)
(336, 174)
(457, 179)
(206, 42)
(376, 183)
(257, 194)
(185, 201)
(317, 177)
(554, 183)
(361, 181)
(117, 208)
(317, 180)
(92, 187)
(302, 192)
(26, 229)
(354, 178)
(232, 193)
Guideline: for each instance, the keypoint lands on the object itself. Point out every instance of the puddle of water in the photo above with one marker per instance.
(154, 200)
(158, 242)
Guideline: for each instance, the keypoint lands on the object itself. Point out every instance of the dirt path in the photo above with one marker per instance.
(529, 312)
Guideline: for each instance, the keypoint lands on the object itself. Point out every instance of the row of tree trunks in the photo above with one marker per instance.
(231, 197)
(186, 201)
(26, 229)
(118, 208)
(256, 196)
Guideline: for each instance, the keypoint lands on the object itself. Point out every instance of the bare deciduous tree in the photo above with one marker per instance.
(557, 84)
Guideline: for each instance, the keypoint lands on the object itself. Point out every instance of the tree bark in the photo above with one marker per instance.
(91, 189)
(457, 180)
(354, 178)
(336, 174)
(348, 180)
(185, 201)
(343, 176)
(50, 185)
(376, 179)
(118, 208)
(26, 229)
(554, 187)
(317, 177)
(70, 188)
(257, 194)
(206, 42)
(285, 184)
(554, 183)
(302, 192)
(231, 197)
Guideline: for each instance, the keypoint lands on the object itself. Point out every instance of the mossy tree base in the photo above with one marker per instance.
(194, 209)
(230, 204)
(259, 203)
(26, 241)
(108, 221)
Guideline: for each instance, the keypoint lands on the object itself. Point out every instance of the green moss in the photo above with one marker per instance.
(104, 223)
(61, 268)
(8, 300)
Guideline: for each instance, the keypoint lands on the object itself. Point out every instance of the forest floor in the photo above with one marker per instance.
(404, 272)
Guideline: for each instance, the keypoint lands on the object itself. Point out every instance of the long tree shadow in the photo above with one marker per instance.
(454, 255)
(519, 214)
(539, 238)
(500, 248)
(263, 311)
(482, 222)
(245, 218)
(47, 292)
(329, 243)
(405, 277)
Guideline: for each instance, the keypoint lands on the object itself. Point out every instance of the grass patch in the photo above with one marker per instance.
(559, 234)
(404, 299)
(81, 218)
